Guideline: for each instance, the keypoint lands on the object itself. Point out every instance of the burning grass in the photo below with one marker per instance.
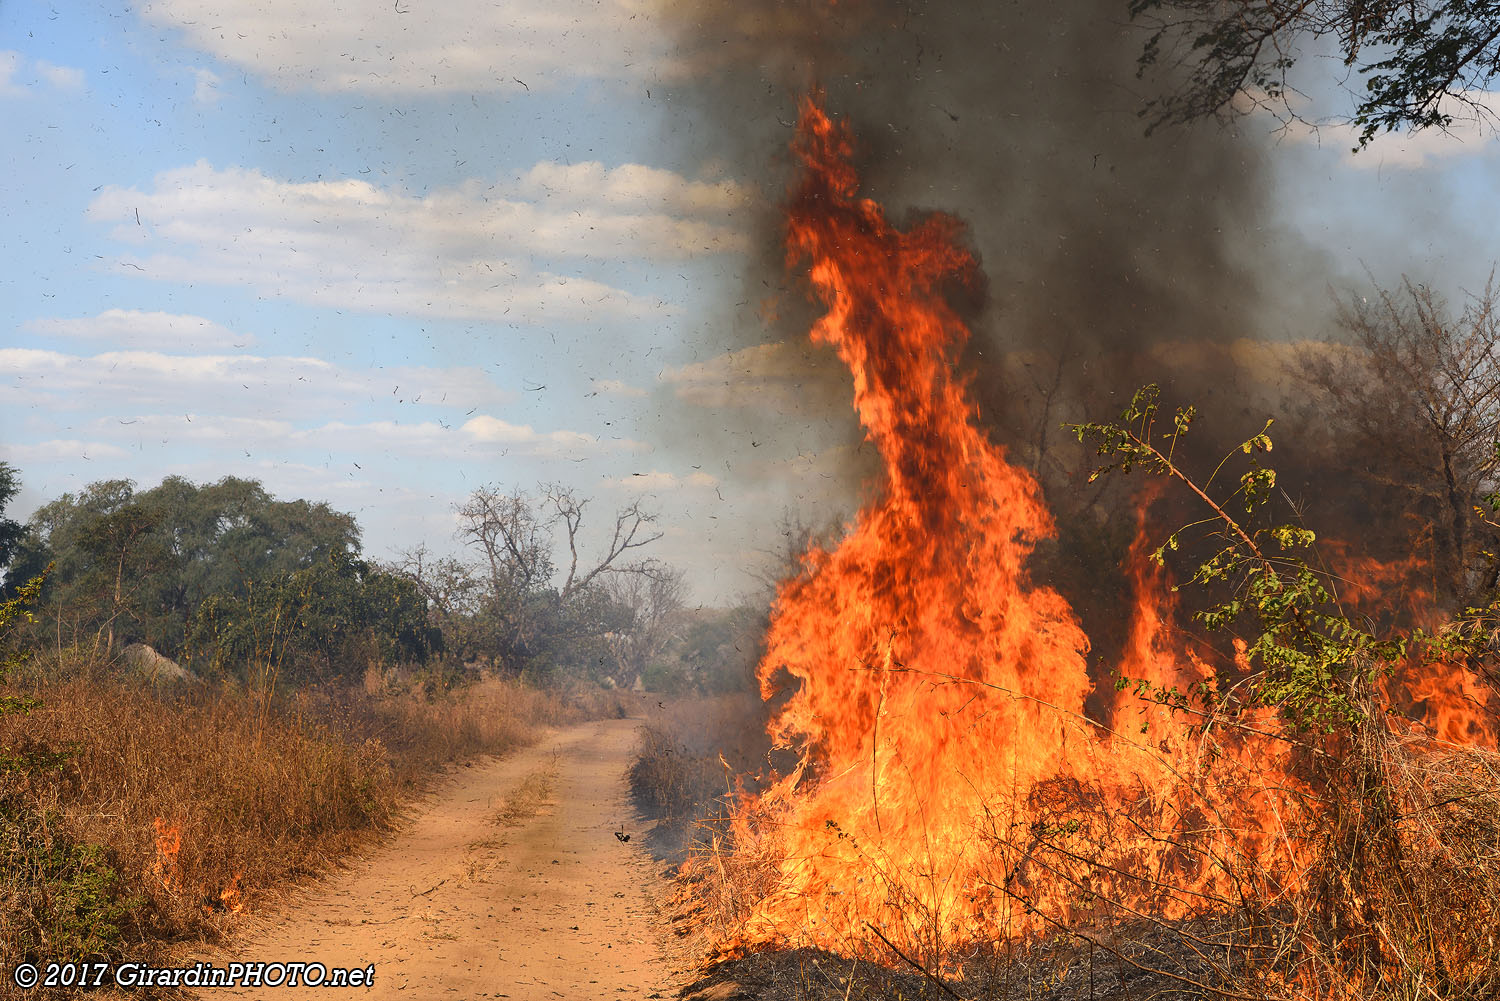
(1398, 897)
(131, 820)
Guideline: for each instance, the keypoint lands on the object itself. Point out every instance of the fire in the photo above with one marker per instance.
(229, 897)
(961, 778)
(936, 692)
(165, 867)
(1453, 704)
(1456, 706)
(168, 844)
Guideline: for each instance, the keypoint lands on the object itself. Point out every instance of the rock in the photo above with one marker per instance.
(143, 659)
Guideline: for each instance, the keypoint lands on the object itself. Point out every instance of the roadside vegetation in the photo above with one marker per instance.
(209, 695)
(705, 742)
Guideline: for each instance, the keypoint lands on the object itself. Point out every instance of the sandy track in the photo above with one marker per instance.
(456, 905)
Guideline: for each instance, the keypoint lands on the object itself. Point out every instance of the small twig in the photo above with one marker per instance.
(1441, 803)
(430, 888)
(874, 760)
(915, 965)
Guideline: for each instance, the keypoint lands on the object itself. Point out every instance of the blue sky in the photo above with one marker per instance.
(379, 256)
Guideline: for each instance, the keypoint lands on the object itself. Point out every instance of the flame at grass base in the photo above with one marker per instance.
(949, 785)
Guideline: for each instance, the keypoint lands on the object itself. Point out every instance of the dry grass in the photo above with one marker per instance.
(527, 799)
(679, 774)
(1405, 897)
(132, 819)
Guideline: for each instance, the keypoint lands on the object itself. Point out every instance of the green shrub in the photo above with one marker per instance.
(64, 899)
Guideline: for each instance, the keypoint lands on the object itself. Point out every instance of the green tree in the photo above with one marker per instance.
(455, 596)
(1312, 661)
(135, 565)
(11, 531)
(102, 544)
(325, 622)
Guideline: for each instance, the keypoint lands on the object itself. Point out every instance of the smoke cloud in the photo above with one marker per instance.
(1112, 257)
(1103, 246)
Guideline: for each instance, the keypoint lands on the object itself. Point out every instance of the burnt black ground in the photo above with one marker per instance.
(1150, 963)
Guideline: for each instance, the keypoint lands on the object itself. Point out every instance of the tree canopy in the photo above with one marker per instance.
(1417, 63)
(238, 584)
(11, 531)
(324, 622)
(134, 565)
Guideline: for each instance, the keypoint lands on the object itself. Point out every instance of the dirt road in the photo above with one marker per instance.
(542, 904)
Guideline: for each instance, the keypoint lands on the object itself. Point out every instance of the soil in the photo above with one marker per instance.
(509, 882)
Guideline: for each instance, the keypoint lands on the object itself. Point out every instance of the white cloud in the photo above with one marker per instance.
(138, 329)
(630, 187)
(466, 251)
(19, 75)
(656, 480)
(417, 45)
(484, 434)
(616, 387)
(194, 428)
(514, 47)
(205, 87)
(134, 382)
(60, 77)
(59, 450)
(523, 439)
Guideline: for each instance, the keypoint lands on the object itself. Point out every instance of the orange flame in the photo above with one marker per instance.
(168, 844)
(229, 897)
(947, 769)
(1453, 704)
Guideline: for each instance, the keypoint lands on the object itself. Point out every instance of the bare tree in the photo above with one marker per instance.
(1417, 390)
(514, 532)
(797, 538)
(654, 601)
(513, 538)
(632, 531)
(454, 595)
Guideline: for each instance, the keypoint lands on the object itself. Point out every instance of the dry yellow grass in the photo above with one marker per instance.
(131, 819)
(527, 799)
(679, 773)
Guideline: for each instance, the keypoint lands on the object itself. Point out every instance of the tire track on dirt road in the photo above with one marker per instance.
(457, 905)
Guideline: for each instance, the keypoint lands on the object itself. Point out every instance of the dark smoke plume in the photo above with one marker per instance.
(1113, 258)
(1023, 120)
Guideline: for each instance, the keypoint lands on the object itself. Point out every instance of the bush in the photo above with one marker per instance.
(679, 772)
(325, 622)
(61, 897)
